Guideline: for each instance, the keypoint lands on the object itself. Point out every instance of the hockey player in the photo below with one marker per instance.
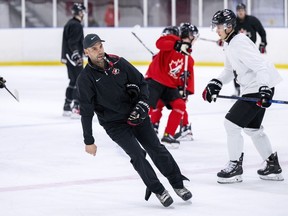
(117, 92)
(257, 78)
(164, 77)
(72, 56)
(185, 132)
(2, 82)
(250, 26)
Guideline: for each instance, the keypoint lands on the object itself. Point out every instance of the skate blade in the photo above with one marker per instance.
(171, 146)
(66, 113)
(185, 138)
(234, 179)
(75, 116)
(272, 177)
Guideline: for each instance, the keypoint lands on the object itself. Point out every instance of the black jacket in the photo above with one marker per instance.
(104, 92)
(250, 26)
(72, 38)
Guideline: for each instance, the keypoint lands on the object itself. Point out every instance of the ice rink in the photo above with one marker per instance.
(44, 170)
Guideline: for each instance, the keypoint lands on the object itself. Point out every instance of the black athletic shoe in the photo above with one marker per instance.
(184, 193)
(272, 170)
(232, 173)
(165, 198)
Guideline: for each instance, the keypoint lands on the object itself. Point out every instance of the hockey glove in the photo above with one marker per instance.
(2, 82)
(212, 90)
(183, 47)
(132, 90)
(266, 95)
(220, 42)
(138, 114)
(181, 92)
(262, 48)
(76, 58)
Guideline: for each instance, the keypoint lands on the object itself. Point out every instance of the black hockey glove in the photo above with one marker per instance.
(266, 95)
(262, 47)
(2, 82)
(183, 47)
(212, 90)
(133, 91)
(76, 58)
(138, 114)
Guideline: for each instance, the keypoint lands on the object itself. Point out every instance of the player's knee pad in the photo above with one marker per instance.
(252, 132)
(178, 105)
(231, 128)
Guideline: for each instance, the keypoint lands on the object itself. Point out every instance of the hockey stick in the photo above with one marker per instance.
(250, 99)
(185, 76)
(16, 97)
(142, 43)
(210, 40)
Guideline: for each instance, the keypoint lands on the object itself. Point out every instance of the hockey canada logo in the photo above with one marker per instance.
(175, 67)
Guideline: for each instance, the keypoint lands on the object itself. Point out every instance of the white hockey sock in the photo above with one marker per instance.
(235, 140)
(260, 140)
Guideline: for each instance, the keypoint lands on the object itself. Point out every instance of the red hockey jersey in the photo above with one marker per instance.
(168, 65)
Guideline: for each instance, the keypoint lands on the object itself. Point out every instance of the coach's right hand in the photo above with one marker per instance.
(91, 149)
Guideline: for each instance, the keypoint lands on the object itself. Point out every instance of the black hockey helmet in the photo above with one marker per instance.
(171, 30)
(225, 17)
(77, 7)
(240, 6)
(187, 29)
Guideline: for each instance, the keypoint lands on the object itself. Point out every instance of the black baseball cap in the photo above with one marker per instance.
(241, 6)
(90, 40)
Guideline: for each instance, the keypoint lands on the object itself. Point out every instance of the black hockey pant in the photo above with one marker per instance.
(126, 137)
(71, 92)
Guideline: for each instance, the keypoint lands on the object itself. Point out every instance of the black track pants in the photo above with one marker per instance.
(126, 137)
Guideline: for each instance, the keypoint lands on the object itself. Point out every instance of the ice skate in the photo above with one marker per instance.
(272, 171)
(169, 141)
(165, 198)
(67, 111)
(185, 134)
(232, 173)
(184, 193)
(75, 114)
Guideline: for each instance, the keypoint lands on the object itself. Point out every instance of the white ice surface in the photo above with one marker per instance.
(44, 170)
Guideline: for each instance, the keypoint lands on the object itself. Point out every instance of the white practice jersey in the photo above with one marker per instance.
(253, 71)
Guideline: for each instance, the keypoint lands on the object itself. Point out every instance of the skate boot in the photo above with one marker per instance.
(185, 133)
(169, 141)
(184, 193)
(156, 126)
(232, 173)
(165, 198)
(75, 112)
(272, 171)
(67, 109)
